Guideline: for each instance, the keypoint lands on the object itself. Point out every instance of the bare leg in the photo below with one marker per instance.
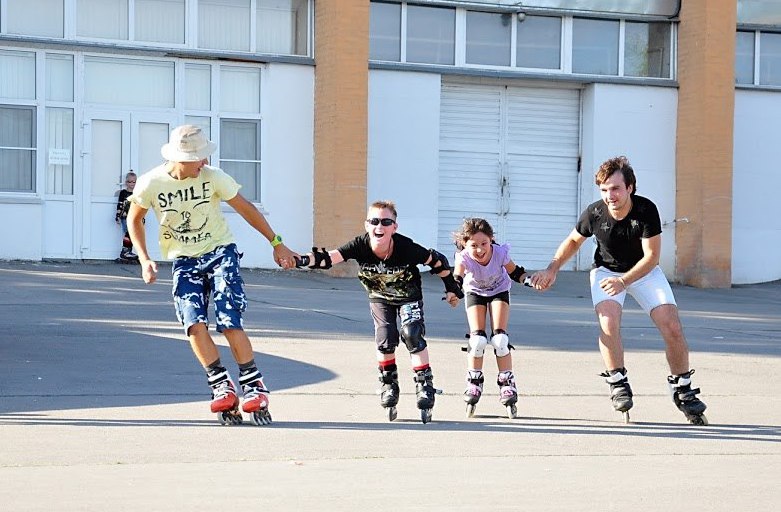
(475, 316)
(669, 324)
(240, 345)
(500, 315)
(202, 344)
(610, 345)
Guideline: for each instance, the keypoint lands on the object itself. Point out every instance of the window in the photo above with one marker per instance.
(59, 77)
(744, 58)
(109, 81)
(282, 26)
(17, 75)
(198, 87)
(240, 154)
(159, 21)
(595, 46)
(488, 38)
(385, 32)
(539, 42)
(224, 24)
(102, 19)
(59, 151)
(769, 59)
(17, 148)
(240, 89)
(431, 33)
(25, 18)
(647, 50)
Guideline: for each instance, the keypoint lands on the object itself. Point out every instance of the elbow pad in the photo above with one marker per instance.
(438, 262)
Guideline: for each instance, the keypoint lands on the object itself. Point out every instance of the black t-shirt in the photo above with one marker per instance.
(395, 280)
(123, 205)
(619, 245)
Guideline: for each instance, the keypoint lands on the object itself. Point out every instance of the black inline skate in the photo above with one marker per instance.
(685, 398)
(426, 392)
(389, 392)
(620, 392)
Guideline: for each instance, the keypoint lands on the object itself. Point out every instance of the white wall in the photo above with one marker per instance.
(288, 165)
(403, 152)
(638, 122)
(21, 230)
(756, 180)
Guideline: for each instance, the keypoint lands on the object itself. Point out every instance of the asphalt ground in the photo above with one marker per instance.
(104, 407)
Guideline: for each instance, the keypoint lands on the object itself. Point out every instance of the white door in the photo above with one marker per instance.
(510, 155)
(115, 143)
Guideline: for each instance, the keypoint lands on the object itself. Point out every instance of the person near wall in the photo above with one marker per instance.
(186, 193)
(123, 206)
(627, 229)
(389, 272)
(487, 272)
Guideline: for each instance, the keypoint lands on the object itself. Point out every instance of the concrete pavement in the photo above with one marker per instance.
(103, 406)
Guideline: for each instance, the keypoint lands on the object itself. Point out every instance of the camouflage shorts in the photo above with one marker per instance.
(214, 273)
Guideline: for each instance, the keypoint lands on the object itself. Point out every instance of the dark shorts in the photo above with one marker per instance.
(214, 273)
(473, 299)
(386, 330)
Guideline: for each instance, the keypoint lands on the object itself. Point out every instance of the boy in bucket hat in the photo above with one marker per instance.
(185, 194)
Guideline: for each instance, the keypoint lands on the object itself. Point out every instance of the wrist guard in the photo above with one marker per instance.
(451, 285)
(320, 260)
(516, 274)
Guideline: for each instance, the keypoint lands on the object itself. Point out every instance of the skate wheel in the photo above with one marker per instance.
(261, 417)
(425, 415)
(700, 420)
(232, 417)
(470, 410)
(392, 413)
(512, 411)
(625, 415)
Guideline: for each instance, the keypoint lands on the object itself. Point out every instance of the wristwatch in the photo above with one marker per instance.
(276, 240)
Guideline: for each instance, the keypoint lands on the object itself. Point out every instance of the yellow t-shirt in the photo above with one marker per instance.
(191, 222)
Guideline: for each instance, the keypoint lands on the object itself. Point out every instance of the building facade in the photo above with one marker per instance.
(497, 109)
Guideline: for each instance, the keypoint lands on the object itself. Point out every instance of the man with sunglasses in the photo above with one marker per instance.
(389, 272)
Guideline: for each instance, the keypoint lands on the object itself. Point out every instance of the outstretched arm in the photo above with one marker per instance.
(320, 259)
(283, 256)
(544, 279)
(441, 268)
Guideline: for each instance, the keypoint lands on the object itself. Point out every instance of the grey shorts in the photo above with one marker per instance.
(215, 273)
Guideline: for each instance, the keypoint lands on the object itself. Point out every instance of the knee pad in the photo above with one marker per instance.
(386, 338)
(477, 343)
(412, 334)
(501, 343)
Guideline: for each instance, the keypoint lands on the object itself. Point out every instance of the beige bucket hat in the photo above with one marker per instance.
(187, 143)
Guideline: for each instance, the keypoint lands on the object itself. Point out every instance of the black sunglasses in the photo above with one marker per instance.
(385, 222)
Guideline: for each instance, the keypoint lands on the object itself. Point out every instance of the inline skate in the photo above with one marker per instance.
(255, 397)
(389, 391)
(474, 389)
(426, 392)
(685, 398)
(620, 391)
(224, 402)
(508, 392)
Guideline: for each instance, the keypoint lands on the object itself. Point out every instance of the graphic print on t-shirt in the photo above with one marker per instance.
(185, 214)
